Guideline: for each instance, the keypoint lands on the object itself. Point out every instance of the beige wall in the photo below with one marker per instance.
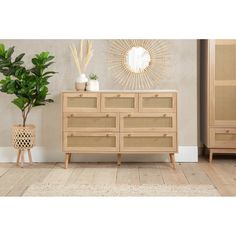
(182, 76)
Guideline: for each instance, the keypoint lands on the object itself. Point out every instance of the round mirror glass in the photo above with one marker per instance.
(137, 59)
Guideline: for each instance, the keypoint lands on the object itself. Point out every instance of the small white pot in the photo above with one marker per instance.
(92, 85)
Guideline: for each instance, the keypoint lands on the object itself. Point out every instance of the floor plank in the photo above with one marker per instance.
(32, 176)
(171, 176)
(227, 190)
(150, 176)
(105, 175)
(10, 179)
(58, 176)
(194, 174)
(127, 175)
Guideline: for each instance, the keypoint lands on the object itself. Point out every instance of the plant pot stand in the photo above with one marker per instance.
(21, 157)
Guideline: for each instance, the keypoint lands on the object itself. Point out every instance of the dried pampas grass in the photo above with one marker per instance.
(85, 55)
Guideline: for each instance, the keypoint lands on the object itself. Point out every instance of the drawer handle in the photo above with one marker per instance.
(81, 95)
(157, 95)
(71, 134)
(164, 115)
(107, 135)
(227, 131)
(107, 115)
(164, 135)
(118, 95)
(129, 135)
(129, 115)
(72, 115)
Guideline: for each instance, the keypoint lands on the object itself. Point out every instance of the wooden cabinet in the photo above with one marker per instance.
(218, 88)
(119, 122)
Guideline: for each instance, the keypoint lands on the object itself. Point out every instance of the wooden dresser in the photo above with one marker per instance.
(120, 122)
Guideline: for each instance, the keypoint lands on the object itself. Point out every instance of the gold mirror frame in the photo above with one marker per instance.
(150, 76)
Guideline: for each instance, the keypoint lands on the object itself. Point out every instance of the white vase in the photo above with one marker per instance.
(92, 85)
(80, 83)
(82, 79)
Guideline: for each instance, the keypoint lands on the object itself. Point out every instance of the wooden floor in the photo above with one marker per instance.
(221, 173)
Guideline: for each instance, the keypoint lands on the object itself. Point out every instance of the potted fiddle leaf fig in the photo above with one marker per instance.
(29, 87)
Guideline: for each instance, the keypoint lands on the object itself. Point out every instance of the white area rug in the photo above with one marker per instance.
(120, 190)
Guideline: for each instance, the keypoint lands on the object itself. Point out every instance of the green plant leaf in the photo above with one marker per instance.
(9, 52)
(18, 58)
(2, 50)
(20, 102)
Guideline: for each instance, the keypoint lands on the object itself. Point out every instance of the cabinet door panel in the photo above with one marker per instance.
(91, 122)
(81, 102)
(222, 83)
(146, 142)
(149, 122)
(223, 138)
(157, 102)
(91, 142)
(119, 102)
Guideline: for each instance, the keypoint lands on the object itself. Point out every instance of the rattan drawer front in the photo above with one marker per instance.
(157, 102)
(81, 102)
(150, 122)
(142, 142)
(119, 102)
(91, 122)
(223, 138)
(91, 142)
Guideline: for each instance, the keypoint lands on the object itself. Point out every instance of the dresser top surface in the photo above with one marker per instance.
(125, 91)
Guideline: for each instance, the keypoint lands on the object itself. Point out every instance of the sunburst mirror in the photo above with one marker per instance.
(138, 64)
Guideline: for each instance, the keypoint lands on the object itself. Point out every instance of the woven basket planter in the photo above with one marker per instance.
(23, 137)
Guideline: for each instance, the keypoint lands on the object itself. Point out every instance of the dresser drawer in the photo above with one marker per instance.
(91, 122)
(91, 142)
(81, 102)
(157, 102)
(119, 102)
(143, 142)
(222, 138)
(150, 122)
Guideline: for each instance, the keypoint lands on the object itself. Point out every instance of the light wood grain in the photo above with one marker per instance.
(221, 174)
(150, 176)
(127, 175)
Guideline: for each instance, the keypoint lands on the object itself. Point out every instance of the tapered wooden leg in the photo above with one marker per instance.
(18, 157)
(210, 155)
(22, 158)
(69, 158)
(30, 157)
(172, 160)
(66, 160)
(119, 159)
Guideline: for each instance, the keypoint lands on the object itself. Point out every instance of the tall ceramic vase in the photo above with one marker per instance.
(81, 81)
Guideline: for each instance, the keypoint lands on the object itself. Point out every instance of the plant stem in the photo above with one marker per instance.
(25, 113)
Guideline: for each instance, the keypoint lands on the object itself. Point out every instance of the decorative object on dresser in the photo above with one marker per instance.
(218, 86)
(30, 86)
(82, 60)
(138, 64)
(93, 83)
(120, 122)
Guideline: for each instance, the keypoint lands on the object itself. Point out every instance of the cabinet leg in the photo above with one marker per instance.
(22, 158)
(18, 157)
(118, 159)
(66, 160)
(172, 160)
(210, 155)
(69, 158)
(30, 157)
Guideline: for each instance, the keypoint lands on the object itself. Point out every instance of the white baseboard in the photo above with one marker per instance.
(42, 154)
